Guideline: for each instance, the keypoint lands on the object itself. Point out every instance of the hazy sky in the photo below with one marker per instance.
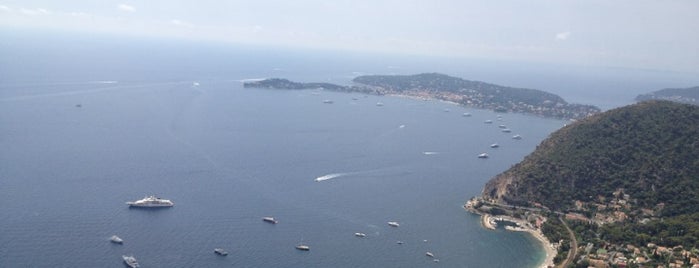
(662, 35)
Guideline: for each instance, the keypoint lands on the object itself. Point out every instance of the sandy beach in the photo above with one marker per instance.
(487, 222)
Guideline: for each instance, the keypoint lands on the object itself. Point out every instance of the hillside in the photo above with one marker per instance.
(683, 95)
(648, 152)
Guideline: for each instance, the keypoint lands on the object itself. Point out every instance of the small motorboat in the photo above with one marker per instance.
(116, 240)
(393, 224)
(360, 234)
(483, 155)
(303, 247)
(221, 252)
(270, 220)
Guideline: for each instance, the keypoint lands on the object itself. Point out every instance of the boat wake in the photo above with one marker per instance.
(251, 80)
(331, 176)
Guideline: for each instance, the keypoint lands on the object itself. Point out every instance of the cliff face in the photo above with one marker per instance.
(650, 149)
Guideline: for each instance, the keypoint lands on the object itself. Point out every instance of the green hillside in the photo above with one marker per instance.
(650, 150)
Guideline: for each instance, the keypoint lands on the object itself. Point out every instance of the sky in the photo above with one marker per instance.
(640, 34)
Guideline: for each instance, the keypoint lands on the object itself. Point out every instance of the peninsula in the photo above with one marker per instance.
(617, 189)
(474, 94)
(683, 95)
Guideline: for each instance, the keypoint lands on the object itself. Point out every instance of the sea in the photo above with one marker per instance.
(89, 122)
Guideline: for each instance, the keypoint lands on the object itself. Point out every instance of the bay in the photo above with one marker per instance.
(228, 156)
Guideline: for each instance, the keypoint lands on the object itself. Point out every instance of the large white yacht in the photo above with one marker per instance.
(151, 202)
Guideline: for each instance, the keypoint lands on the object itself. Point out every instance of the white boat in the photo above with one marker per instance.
(506, 130)
(393, 224)
(270, 220)
(151, 202)
(221, 251)
(130, 261)
(429, 254)
(494, 145)
(360, 234)
(303, 247)
(502, 126)
(483, 155)
(517, 137)
(466, 114)
(379, 104)
(488, 121)
(116, 240)
(328, 101)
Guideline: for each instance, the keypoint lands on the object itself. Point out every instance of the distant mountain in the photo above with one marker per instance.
(683, 95)
(443, 87)
(647, 152)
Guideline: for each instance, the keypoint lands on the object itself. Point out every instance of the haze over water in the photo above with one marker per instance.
(228, 156)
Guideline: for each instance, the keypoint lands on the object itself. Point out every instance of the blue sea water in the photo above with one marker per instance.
(228, 156)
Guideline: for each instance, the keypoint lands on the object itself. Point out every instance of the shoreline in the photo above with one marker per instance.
(489, 222)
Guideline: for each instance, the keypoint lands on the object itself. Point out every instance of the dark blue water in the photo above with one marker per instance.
(228, 156)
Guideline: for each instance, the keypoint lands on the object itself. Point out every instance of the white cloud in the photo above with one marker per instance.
(34, 12)
(78, 14)
(4, 8)
(563, 35)
(126, 8)
(180, 23)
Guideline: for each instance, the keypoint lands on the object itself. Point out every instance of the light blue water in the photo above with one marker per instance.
(228, 156)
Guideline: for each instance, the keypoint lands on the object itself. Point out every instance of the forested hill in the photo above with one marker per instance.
(649, 152)
(683, 95)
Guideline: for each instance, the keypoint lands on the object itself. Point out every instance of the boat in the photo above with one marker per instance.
(483, 155)
(488, 121)
(360, 234)
(429, 254)
(379, 104)
(393, 224)
(195, 84)
(517, 137)
(151, 202)
(502, 126)
(303, 247)
(466, 114)
(494, 145)
(399, 242)
(116, 240)
(130, 261)
(328, 101)
(221, 252)
(506, 130)
(270, 220)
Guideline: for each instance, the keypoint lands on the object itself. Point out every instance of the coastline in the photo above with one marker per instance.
(489, 222)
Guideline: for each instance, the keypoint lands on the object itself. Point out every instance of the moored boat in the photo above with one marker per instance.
(130, 261)
(517, 137)
(116, 240)
(221, 251)
(360, 234)
(494, 145)
(303, 247)
(393, 224)
(429, 254)
(271, 220)
(483, 155)
(151, 202)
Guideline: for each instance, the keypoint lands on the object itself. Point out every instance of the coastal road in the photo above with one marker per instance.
(573, 245)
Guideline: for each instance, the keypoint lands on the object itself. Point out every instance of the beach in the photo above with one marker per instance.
(490, 222)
